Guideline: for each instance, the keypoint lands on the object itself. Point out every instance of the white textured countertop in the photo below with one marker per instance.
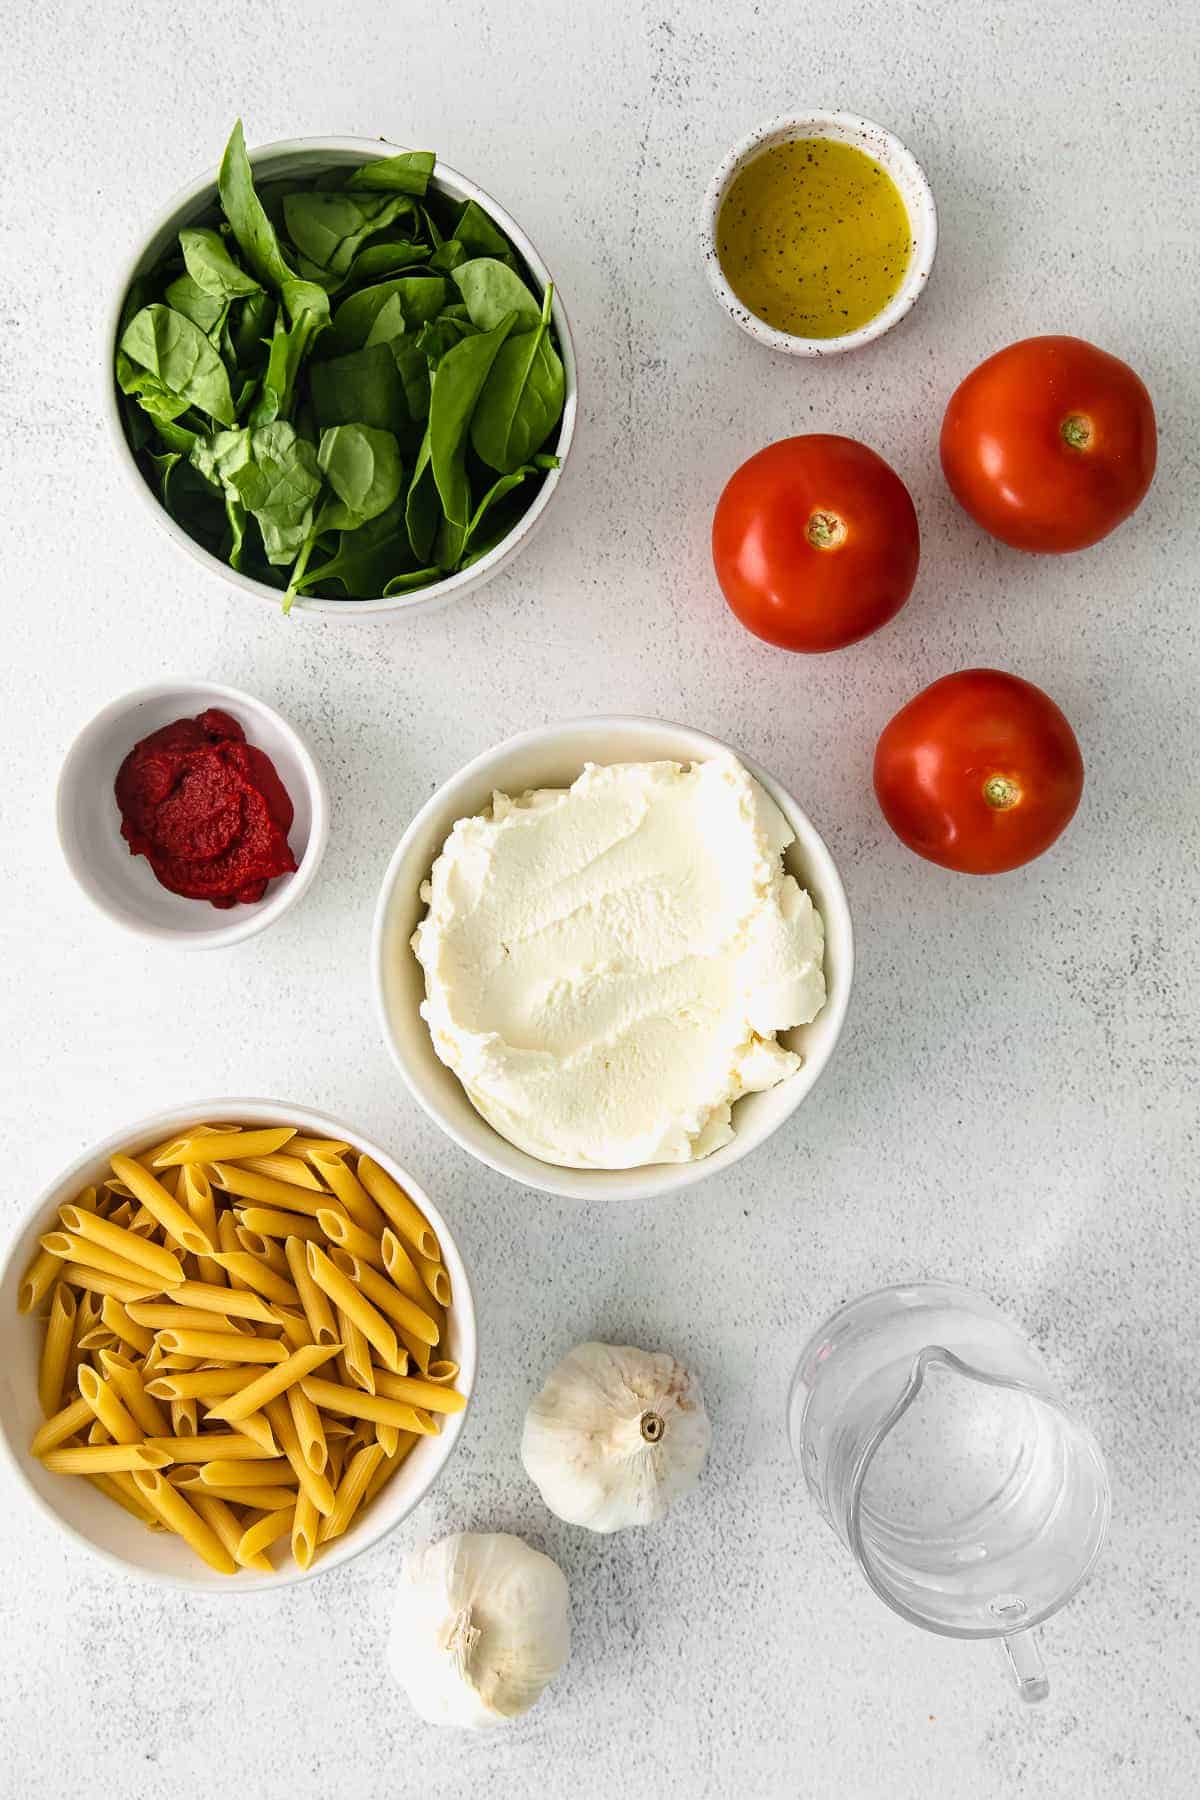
(1014, 1103)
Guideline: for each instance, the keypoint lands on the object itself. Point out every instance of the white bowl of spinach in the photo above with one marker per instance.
(343, 373)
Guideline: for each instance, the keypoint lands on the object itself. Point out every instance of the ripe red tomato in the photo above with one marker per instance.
(1050, 444)
(815, 542)
(981, 772)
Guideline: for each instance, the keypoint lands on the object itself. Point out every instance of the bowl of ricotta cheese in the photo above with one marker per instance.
(611, 957)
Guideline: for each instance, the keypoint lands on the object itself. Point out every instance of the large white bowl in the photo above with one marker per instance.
(553, 756)
(125, 887)
(91, 1518)
(300, 157)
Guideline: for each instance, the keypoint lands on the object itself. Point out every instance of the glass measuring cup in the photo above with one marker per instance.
(938, 1449)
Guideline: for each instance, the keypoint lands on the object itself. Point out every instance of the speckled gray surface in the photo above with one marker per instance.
(1014, 1101)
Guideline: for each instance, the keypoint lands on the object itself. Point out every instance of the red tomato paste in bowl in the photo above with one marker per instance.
(207, 810)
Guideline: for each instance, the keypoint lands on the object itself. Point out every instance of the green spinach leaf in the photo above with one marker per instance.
(253, 230)
(423, 509)
(478, 236)
(363, 468)
(490, 289)
(522, 400)
(276, 477)
(181, 356)
(407, 173)
(363, 388)
(458, 382)
(330, 228)
(208, 262)
(204, 310)
(421, 298)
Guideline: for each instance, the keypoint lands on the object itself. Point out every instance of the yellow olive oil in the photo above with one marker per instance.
(813, 237)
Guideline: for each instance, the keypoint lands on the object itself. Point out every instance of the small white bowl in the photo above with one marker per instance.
(92, 1519)
(300, 158)
(124, 886)
(915, 191)
(553, 756)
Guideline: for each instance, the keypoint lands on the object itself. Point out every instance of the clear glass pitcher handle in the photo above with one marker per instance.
(1025, 1662)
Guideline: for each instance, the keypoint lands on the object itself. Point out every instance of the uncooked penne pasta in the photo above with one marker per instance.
(306, 1523)
(174, 1218)
(266, 1250)
(256, 1275)
(295, 1328)
(402, 1268)
(429, 1394)
(271, 1497)
(354, 1304)
(234, 1178)
(127, 1246)
(104, 1459)
(356, 1354)
(341, 1180)
(223, 1346)
(270, 1222)
(387, 1437)
(317, 1486)
(271, 1471)
(310, 1146)
(69, 1248)
(387, 1468)
(175, 1512)
(128, 1498)
(64, 1424)
(204, 1296)
(162, 1315)
(265, 1531)
(351, 1491)
(283, 1167)
(38, 1279)
(120, 1425)
(217, 1146)
(202, 1384)
(310, 1429)
(318, 1309)
(404, 1213)
(387, 1297)
(275, 1381)
(436, 1280)
(194, 1191)
(185, 1417)
(350, 1237)
(95, 1281)
(442, 1372)
(332, 1398)
(136, 1337)
(220, 1518)
(205, 1446)
(56, 1350)
(257, 1427)
(125, 1379)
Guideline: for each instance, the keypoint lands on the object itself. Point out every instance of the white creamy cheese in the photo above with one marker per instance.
(606, 966)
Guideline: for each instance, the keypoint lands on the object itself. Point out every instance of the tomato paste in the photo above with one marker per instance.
(207, 810)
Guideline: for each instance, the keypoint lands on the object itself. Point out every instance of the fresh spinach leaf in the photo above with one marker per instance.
(414, 374)
(210, 266)
(204, 310)
(363, 468)
(407, 173)
(363, 388)
(490, 289)
(181, 356)
(308, 308)
(330, 228)
(478, 236)
(421, 298)
(522, 400)
(365, 559)
(423, 509)
(384, 258)
(458, 382)
(412, 578)
(441, 334)
(448, 255)
(277, 478)
(247, 329)
(256, 236)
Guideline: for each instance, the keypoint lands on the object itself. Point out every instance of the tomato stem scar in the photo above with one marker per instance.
(1001, 792)
(826, 531)
(1076, 431)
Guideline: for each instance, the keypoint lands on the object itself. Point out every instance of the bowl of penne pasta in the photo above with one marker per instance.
(237, 1346)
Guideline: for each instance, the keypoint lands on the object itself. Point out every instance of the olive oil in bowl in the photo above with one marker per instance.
(813, 237)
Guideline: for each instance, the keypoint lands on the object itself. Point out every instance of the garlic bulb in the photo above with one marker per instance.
(615, 1436)
(480, 1627)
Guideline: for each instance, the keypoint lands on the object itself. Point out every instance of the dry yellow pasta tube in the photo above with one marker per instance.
(56, 1350)
(354, 1304)
(419, 1393)
(105, 1459)
(174, 1218)
(284, 1167)
(271, 1471)
(350, 1237)
(38, 1279)
(149, 1259)
(275, 1381)
(136, 1336)
(175, 1512)
(318, 1487)
(356, 1356)
(436, 1280)
(351, 1490)
(332, 1398)
(267, 1530)
(69, 1248)
(126, 1382)
(295, 1328)
(216, 1146)
(380, 1291)
(223, 1346)
(270, 1497)
(269, 1222)
(390, 1464)
(202, 1384)
(401, 1266)
(266, 1191)
(95, 1281)
(404, 1213)
(119, 1424)
(306, 1522)
(256, 1275)
(194, 1190)
(310, 1429)
(314, 1300)
(443, 1372)
(209, 1297)
(342, 1181)
(266, 1250)
(64, 1424)
(128, 1498)
(160, 1315)
(218, 1516)
(310, 1146)
(204, 1446)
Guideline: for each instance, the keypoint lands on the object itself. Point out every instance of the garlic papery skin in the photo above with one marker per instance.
(480, 1626)
(615, 1436)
